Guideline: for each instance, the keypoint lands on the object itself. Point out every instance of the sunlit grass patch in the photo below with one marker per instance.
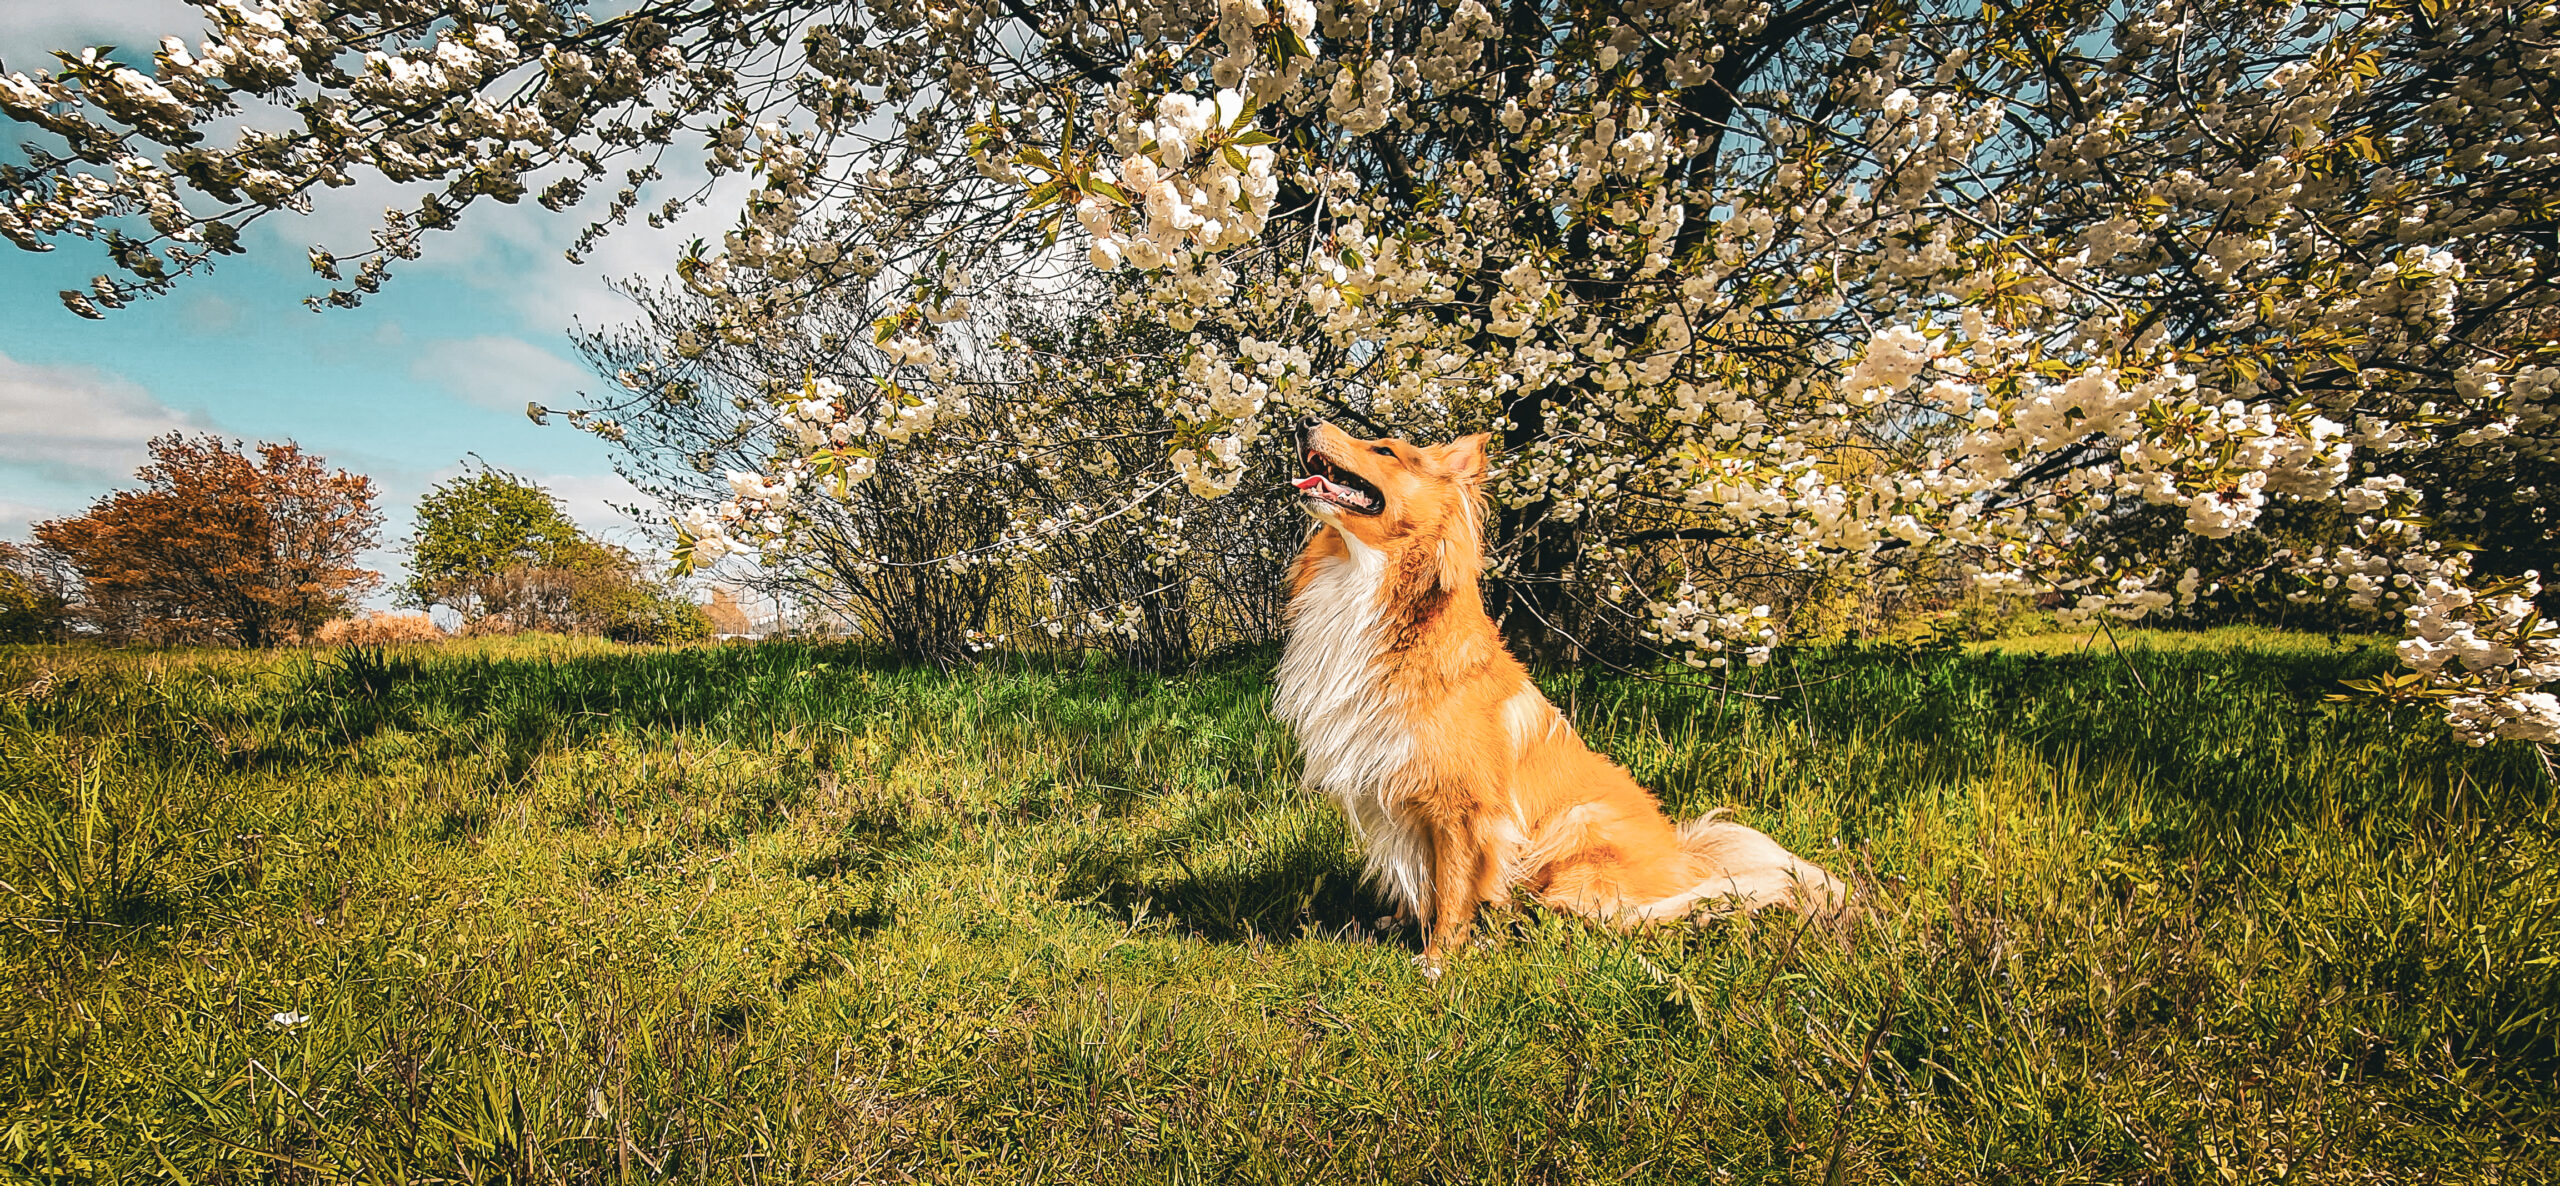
(780, 913)
(2257, 639)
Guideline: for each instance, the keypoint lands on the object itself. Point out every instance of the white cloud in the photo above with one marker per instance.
(515, 252)
(499, 372)
(18, 519)
(77, 424)
(593, 500)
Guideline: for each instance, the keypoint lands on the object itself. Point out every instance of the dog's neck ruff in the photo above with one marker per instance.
(1350, 726)
(1330, 689)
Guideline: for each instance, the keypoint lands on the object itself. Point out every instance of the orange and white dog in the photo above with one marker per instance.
(1459, 777)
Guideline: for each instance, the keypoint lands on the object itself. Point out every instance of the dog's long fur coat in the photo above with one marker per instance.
(1458, 775)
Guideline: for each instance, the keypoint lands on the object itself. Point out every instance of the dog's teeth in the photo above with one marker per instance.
(1324, 485)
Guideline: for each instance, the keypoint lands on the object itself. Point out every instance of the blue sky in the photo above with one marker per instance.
(436, 366)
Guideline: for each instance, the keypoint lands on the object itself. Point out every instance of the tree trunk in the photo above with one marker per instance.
(1528, 599)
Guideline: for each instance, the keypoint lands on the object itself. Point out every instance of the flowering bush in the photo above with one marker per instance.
(1806, 287)
(1085, 547)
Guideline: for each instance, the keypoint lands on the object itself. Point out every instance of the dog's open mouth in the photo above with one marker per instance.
(1331, 483)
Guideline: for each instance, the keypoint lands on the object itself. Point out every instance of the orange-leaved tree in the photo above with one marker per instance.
(218, 545)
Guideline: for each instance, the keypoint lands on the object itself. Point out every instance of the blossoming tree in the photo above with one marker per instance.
(1804, 285)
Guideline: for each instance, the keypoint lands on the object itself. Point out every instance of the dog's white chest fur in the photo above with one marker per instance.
(1350, 728)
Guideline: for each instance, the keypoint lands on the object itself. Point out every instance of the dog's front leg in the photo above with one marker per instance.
(1467, 862)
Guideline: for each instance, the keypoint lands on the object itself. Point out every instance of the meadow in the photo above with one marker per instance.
(538, 910)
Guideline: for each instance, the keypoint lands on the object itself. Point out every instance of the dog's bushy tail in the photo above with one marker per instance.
(1740, 869)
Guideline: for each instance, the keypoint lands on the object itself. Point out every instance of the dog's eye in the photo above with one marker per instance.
(1382, 450)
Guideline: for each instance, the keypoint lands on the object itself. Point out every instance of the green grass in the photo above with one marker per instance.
(568, 912)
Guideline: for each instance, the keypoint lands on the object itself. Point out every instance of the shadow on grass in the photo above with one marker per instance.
(865, 842)
(1300, 882)
(2218, 734)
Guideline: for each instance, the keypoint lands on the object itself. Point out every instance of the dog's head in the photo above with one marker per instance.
(1388, 493)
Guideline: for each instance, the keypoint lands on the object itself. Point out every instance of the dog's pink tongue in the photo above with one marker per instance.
(1309, 482)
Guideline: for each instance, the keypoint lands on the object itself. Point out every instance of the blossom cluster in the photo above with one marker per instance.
(1711, 628)
(2489, 654)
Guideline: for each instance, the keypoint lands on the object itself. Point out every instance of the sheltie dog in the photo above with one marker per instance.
(1459, 777)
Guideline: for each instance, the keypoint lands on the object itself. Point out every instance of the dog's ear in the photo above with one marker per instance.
(1464, 458)
(1462, 547)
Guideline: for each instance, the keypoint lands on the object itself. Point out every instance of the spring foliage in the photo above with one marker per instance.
(1812, 288)
(504, 554)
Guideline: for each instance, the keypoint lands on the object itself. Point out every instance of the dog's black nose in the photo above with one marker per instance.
(1309, 424)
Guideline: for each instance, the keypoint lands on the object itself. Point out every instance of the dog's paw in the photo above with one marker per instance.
(1430, 967)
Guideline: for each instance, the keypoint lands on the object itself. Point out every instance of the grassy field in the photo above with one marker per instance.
(534, 910)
